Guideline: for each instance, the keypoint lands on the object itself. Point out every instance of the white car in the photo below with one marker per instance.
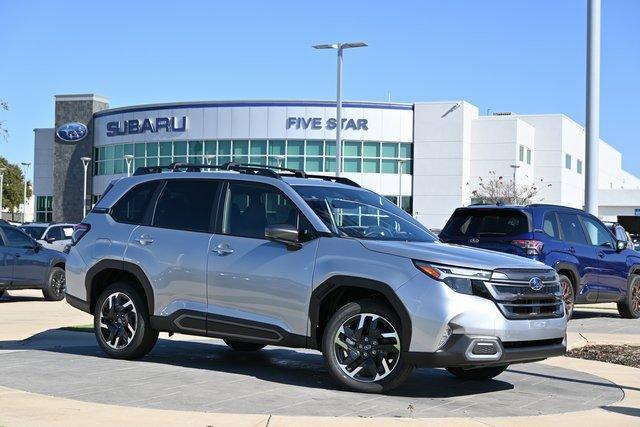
(52, 236)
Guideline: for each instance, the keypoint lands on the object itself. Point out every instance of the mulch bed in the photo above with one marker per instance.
(628, 355)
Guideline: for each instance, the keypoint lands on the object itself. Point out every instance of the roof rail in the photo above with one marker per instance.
(246, 168)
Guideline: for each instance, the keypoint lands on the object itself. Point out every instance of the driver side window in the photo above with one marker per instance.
(598, 233)
(16, 238)
(250, 208)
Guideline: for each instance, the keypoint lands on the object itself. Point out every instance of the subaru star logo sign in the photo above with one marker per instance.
(535, 283)
(72, 132)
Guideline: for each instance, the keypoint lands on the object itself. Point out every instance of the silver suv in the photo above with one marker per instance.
(258, 257)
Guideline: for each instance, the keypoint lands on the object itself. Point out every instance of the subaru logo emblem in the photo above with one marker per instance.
(474, 240)
(72, 132)
(535, 283)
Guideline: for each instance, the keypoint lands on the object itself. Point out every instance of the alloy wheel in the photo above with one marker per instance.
(118, 320)
(635, 297)
(567, 297)
(367, 347)
(58, 283)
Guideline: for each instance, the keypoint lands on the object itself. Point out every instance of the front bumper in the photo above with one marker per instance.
(481, 351)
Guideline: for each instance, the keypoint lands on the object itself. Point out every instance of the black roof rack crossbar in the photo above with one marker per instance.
(246, 168)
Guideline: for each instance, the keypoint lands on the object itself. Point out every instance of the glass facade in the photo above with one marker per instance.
(44, 208)
(308, 155)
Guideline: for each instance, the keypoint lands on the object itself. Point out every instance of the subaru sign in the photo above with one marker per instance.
(72, 132)
(315, 123)
(135, 126)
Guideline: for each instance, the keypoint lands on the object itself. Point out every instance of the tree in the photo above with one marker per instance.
(4, 105)
(13, 187)
(496, 189)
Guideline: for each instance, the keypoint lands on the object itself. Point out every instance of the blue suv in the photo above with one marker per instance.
(592, 264)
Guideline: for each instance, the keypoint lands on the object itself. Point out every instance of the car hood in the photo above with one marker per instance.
(455, 255)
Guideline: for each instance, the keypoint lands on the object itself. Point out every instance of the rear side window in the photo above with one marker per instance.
(571, 228)
(477, 222)
(186, 205)
(54, 232)
(131, 208)
(16, 238)
(550, 225)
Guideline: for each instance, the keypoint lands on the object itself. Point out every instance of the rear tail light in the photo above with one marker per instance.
(531, 247)
(79, 231)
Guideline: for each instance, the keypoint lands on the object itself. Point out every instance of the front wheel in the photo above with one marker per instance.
(568, 295)
(121, 323)
(630, 307)
(3, 292)
(56, 285)
(478, 374)
(362, 347)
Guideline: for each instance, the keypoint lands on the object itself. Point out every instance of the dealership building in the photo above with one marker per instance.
(431, 154)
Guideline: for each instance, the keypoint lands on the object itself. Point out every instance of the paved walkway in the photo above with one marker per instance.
(61, 378)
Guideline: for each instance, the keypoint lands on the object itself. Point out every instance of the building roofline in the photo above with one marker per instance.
(82, 97)
(254, 103)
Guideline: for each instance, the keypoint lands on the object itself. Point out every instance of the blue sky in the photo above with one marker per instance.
(526, 56)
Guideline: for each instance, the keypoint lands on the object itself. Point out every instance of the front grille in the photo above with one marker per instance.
(514, 295)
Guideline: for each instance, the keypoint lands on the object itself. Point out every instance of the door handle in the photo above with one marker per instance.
(601, 254)
(144, 240)
(222, 249)
(572, 250)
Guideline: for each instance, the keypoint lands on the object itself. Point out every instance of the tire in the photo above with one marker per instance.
(114, 326)
(244, 346)
(568, 295)
(478, 374)
(56, 285)
(3, 293)
(630, 307)
(362, 359)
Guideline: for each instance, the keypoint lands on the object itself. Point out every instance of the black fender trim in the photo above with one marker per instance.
(634, 269)
(191, 322)
(560, 265)
(336, 282)
(122, 266)
(77, 303)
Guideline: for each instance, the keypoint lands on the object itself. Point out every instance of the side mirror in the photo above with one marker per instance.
(283, 233)
(50, 239)
(621, 245)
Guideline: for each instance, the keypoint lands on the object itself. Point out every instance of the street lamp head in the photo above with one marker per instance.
(85, 160)
(326, 46)
(340, 45)
(127, 157)
(27, 164)
(354, 44)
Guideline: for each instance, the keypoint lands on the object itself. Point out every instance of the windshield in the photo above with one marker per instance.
(363, 214)
(34, 232)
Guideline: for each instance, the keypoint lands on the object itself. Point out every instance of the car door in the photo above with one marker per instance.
(259, 287)
(52, 238)
(612, 263)
(7, 260)
(31, 265)
(577, 247)
(173, 244)
(65, 236)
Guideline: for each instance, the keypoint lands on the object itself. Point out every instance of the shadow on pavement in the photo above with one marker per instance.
(8, 298)
(586, 314)
(603, 383)
(624, 410)
(279, 365)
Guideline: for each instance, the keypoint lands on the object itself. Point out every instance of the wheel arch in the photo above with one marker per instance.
(336, 286)
(108, 271)
(574, 276)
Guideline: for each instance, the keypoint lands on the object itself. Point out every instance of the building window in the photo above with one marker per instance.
(521, 153)
(310, 155)
(567, 161)
(44, 208)
(528, 156)
(579, 166)
(407, 202)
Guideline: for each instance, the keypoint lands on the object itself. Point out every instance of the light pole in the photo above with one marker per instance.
(280, 159)
(128, 158)
(400, 164)
(593, 107)
(24, 194)
(1, 187)
(515, 187)
(85, 164)
(339, 47)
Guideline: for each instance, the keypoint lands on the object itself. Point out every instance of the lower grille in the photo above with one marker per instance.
(524, 294)
(535, 343)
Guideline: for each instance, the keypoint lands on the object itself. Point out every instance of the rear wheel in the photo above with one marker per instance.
(121, 323)
(568, 295)
(362, 347)
(56, 286)
(630, 307)
(478, 374)
(244, 346)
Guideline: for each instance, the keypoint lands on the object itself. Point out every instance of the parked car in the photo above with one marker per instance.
(620, 233)
(50, 235)
(263, 258)
(594, 266)
(25, 264)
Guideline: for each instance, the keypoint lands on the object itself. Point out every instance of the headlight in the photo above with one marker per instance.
(457, 278)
